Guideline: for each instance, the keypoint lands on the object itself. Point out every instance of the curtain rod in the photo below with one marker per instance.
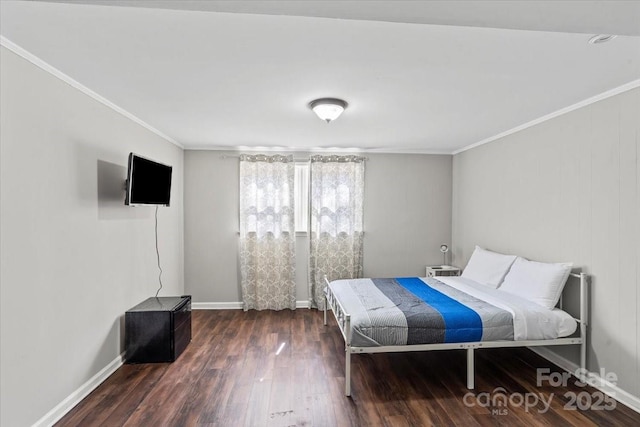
(237, 156)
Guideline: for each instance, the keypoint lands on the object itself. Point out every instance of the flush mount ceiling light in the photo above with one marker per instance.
(601, 38)
(328, 109)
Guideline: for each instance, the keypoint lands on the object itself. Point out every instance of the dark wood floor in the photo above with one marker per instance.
(231, 375)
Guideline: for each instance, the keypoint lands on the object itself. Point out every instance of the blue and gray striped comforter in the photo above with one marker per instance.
(407, 311)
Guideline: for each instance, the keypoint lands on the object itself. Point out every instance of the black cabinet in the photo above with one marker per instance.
(158, 329)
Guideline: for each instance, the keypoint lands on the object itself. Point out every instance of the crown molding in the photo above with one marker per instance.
(75, 84)
(59, 74)
(334, 150)
(608, 94)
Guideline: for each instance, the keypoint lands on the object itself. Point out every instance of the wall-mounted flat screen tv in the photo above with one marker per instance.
(148, 182)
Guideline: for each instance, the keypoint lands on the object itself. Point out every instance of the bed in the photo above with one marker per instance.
(443, 313)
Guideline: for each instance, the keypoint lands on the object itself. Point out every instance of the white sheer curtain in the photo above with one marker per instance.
(267, 232)
(336, 227)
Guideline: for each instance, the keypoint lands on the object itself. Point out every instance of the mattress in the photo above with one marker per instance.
(409, 311)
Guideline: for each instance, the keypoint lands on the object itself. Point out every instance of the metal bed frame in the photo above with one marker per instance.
(343, 320)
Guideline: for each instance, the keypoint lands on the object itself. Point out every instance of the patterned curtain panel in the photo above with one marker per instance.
(336, 227)
(267, 232)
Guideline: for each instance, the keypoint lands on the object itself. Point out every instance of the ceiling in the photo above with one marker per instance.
(419, 77)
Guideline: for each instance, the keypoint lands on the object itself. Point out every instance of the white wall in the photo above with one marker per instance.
(567, 190)
(407, 217)
(73, 257)
(407, 213)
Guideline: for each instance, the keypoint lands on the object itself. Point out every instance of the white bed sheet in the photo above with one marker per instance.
(530, 320)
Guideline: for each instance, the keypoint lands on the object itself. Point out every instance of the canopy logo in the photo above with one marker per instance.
(499, 401)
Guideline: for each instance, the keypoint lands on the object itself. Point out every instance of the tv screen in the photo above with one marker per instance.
(148, 182)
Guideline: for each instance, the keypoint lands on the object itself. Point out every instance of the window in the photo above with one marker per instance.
(301, 196)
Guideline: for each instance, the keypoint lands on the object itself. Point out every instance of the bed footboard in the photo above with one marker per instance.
(343, 319)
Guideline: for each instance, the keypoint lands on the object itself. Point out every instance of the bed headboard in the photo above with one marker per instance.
(574, 297)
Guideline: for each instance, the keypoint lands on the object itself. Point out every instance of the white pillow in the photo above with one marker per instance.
(538, 282)
(488, 268)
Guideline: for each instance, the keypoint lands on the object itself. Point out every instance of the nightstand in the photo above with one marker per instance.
(442, 270)
(158, 329)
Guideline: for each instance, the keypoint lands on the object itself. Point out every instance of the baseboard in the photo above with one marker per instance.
(232, 305)
(216, 305)
(61, 409)
(604, 386)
